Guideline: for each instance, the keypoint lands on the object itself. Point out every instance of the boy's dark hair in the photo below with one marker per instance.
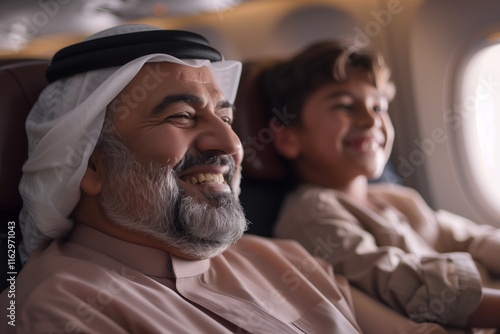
(288, 83)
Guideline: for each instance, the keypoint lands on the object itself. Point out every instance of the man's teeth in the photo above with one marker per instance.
(205, 177)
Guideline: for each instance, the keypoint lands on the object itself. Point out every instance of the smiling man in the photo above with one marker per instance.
(174, 187)
(131, 221)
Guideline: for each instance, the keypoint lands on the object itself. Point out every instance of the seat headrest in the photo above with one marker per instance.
(21, 81)
(251, 123)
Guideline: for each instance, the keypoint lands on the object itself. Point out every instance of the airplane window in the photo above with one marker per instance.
(479, 118)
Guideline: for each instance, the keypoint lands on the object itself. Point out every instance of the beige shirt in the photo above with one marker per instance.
(95, 283)
(396, 254)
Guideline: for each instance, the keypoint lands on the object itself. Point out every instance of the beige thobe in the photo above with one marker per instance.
(94, 283)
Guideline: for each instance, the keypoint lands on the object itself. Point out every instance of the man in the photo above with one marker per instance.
(133, 172)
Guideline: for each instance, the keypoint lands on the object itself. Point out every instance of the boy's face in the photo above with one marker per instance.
(345, 132)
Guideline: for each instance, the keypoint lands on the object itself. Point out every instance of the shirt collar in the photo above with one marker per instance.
(147, 260)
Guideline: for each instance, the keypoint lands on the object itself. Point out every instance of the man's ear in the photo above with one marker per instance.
(91, 183)
(287, 142)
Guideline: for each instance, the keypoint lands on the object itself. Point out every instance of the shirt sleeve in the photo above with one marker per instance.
(443, 288)
(452, 233)
(481, 241)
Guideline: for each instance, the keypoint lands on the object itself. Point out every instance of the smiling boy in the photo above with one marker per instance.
(383, 238)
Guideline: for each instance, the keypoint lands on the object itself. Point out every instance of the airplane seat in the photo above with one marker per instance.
(265, 180)
(21, 81)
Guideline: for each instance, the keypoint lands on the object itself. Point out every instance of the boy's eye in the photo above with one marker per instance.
(343, 106)
(380, 108)
(227, 120)
(381, 105)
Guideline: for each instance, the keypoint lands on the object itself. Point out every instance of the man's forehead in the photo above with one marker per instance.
(199, 75)
(158, 76)
(180, 72)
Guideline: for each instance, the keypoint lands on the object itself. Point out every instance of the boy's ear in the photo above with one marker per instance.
(91, 183)
(287, 142)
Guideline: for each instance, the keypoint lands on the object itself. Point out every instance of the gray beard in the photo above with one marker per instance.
(150, 201)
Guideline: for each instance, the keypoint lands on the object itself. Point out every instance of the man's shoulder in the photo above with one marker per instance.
(250, 241)
(51, 270)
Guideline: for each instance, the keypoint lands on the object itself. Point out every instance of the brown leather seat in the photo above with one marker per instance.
(264, 181)
(21, 81)
(20, 84)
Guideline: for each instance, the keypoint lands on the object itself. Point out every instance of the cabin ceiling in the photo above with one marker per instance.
(22, 21)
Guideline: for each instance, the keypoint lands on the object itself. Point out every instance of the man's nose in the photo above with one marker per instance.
(217, 135)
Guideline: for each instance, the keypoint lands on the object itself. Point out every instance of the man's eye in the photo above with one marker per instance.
(182, 118)
(183, 115)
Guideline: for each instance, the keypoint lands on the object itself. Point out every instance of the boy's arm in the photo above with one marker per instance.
(460, 234)
(440, 288)
(453, 233)
(443, 288)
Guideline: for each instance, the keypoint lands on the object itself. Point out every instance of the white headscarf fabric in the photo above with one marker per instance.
(63, 128)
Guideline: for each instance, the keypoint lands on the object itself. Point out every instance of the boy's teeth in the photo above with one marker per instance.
(205, 177)
(369, 146)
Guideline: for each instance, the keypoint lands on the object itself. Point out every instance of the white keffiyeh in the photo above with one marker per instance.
(63, 128)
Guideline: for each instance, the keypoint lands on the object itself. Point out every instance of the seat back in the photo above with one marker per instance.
(20, 84)
(21, 81)
(265, 180)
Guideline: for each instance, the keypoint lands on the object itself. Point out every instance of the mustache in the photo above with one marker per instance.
(210, 158)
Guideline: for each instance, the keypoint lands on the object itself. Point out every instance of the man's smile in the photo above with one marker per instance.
(212, 178)
(204, 178)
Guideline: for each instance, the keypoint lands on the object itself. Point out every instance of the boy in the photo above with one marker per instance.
(384, 238)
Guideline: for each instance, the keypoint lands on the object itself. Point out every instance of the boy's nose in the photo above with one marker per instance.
(369, 118)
